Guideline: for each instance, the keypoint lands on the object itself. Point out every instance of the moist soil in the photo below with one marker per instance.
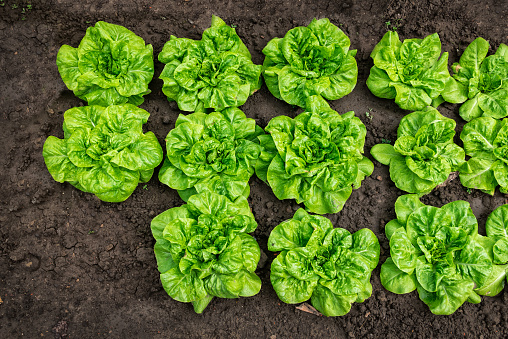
(72, 266)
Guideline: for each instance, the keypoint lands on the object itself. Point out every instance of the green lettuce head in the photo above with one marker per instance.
(203, 250)
(111, 66)
(215, 72)
(486, 142)
(213, 152)
(327, 265)
(497, 230)
(411, 72)
(438, 252)
(312, 60)
(424, 154)
(480, 82)
(104, 151)
(315, 158)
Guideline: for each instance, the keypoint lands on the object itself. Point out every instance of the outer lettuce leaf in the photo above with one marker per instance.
(214, 152)
(315, 158)
(438, 252)
(486, 142)
(312, 60)
(330, 266)
(411, 72)
(480, 82)
(104, 151)
(424, 154)
(203, 250)
(215, 72)
(111, 66)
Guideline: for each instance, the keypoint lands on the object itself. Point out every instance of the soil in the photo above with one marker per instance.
(72, 266)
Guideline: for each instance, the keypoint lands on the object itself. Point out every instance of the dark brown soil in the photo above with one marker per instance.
(72, 266)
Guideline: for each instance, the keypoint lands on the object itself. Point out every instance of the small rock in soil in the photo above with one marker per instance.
(144, 254)
(18, 254)
(60, 329)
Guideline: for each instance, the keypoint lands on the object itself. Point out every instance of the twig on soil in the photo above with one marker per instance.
(308, 308)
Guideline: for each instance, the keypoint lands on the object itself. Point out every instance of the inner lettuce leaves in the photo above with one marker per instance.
(213, 73)
(315, 158)
(486, 142)
(411, 72)
(213, 152)
(111, 66)
(480, 82)
(330, 266)
(203, 250)
(104, 151)
(312, 60)
(424, 154)
(439, 252)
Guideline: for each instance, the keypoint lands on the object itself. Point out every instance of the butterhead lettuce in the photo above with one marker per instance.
(211, 152)
(486, 142)
(315, 158)
(411, 72)
(327, 265)
(203, 250)
(424, 154)
(111, 66)
(438, 252)
(104, 151)
(213, 73)
(312, 60)
(480, 82)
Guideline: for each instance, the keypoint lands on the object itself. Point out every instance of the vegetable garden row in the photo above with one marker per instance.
(203, 248)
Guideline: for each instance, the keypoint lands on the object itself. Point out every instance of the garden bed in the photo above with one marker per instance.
(72, 266)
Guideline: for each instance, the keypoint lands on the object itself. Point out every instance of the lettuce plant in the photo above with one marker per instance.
(496, 244)
(480, 82)
(411, 72)
(203, 250)
(211, 152)
(104, 151)
(330, 266)
(111, 66)
(312, 60)
(315, 158)
(438, 252)
(497, 230)
(424, 154)
(486, 142)
(215, 72)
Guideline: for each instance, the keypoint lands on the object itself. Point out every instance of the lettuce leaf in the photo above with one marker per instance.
(411, 72)
(215, 72)
(312, 60)
(111, 66)
(104, 152)
(330, 266)
(315, 158)
(424, 154)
